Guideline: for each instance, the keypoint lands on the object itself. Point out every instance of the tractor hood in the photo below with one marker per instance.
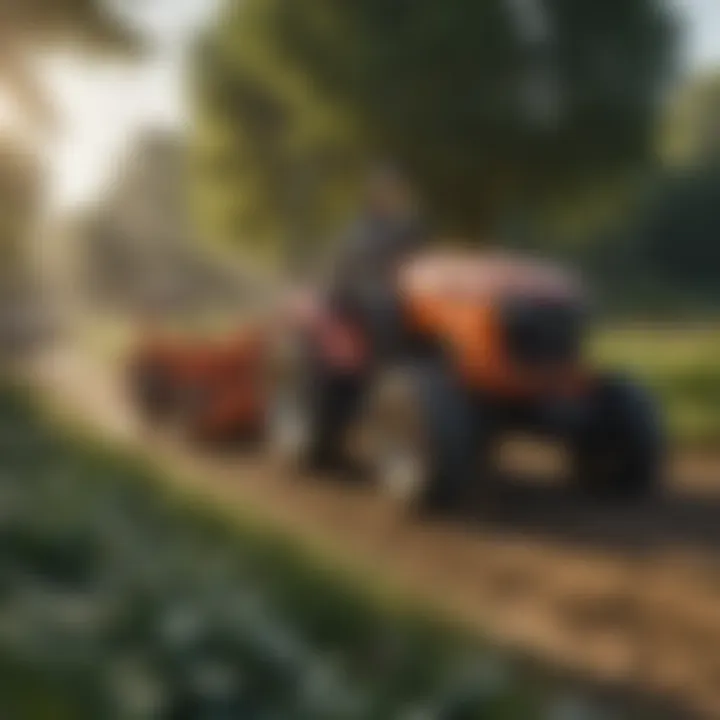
(481, 276)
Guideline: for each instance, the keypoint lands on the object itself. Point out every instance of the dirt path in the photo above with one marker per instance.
(628, 594)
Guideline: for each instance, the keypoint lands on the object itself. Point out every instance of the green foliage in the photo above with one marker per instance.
(118, 600)
(666, 257)
(681, 366)
(681, 229)
(274, 158)
(85, 21)
(490, 105)
(20, 185)
(663, 260)
(20, 199)
(690, 134)
(27, 27)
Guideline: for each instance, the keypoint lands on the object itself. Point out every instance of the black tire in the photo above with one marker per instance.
(421, 415)
(621, 448)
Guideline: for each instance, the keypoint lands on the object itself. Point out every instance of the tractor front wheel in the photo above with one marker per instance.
(620, 451)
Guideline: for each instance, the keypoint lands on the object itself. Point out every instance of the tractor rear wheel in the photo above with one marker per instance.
(419, 438)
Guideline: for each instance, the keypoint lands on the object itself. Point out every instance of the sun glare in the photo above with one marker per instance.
(102, 107)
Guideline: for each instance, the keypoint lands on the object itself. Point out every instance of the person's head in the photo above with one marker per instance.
(388, 192)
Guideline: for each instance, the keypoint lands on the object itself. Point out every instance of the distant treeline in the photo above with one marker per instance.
(664, 259)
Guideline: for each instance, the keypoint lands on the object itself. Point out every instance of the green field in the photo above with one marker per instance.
(121, 598)
(682, 365)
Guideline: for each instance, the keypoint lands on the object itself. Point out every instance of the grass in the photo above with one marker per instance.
(120, 598)
(681, 365)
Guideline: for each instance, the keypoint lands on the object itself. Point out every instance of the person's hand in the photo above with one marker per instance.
(302, 307)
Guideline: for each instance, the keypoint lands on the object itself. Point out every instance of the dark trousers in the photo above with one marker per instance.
(377, 314)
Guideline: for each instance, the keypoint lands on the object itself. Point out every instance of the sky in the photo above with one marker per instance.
(102, 106)
(703, 41)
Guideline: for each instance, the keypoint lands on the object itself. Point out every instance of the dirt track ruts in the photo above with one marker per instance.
(628, 593)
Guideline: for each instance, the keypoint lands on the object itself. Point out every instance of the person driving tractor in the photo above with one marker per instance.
(482, 345)
(356, 319)
(389, 229)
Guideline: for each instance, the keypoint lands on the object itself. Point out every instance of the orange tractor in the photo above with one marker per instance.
(482, 345)
(419, 388)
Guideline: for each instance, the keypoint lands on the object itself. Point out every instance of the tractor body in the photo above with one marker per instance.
(482, 346)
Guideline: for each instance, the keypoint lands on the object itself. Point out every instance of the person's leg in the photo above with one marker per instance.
(337, 393)
(384, 322)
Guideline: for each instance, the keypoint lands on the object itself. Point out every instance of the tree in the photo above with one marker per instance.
(19, 198)
(672, 234)
(491, 105)
(274, 157)
(691, 130)
(26, 27)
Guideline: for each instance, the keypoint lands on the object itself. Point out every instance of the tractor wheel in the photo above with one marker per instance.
(620, 451)
(419, 439)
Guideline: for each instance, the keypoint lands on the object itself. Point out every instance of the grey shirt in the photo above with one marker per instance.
(371, 250)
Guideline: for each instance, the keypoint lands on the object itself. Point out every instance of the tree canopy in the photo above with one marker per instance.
(489, 106)
(38, 24)
(25, 28)
(673, 233)
(691, 131)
